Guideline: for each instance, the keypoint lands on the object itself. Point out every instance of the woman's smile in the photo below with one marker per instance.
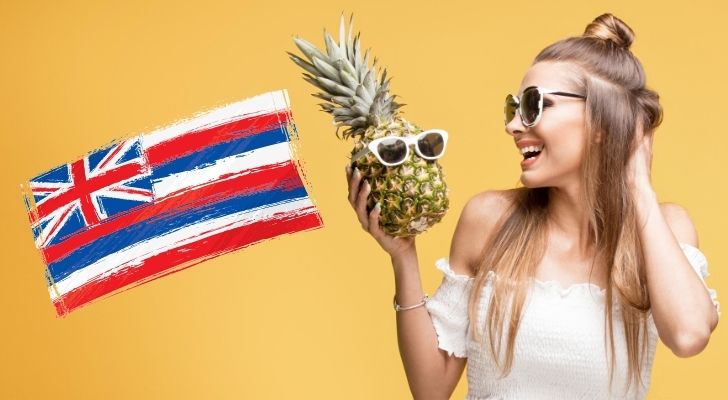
(530, 159)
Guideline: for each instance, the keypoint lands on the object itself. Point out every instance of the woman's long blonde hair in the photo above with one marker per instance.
(617, 104)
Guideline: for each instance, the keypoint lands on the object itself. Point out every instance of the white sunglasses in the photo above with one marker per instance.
(394, 150)
(530, 104)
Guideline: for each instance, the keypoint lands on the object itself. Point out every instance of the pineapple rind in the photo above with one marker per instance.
(413, 195)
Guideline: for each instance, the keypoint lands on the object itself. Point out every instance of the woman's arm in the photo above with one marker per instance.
(431, 372)
(682, 309)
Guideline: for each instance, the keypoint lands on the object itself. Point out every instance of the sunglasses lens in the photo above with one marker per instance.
(529, 105)
(510, 108)
(392, 150)
(431, 144)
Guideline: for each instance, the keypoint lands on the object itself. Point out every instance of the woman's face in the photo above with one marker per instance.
(560, 131)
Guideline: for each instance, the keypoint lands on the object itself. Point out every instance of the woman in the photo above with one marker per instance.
(585, 231)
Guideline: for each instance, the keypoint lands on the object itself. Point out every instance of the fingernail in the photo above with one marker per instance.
(377, 207)
(348, 169)
(356, 172)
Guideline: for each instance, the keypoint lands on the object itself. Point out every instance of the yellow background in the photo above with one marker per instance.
(309, 315)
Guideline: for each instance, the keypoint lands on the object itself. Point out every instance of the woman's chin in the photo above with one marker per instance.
(527, 181)
(532, 183)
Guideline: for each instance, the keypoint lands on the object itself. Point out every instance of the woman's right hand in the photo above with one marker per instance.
(358, 193)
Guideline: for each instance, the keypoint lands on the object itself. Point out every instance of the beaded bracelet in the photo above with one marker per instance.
(398, 308)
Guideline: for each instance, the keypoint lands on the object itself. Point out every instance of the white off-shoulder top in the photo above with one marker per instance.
(560, 348)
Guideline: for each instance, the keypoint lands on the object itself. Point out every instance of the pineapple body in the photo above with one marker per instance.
(413, 195)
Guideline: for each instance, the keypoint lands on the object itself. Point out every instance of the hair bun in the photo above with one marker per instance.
(608, 27)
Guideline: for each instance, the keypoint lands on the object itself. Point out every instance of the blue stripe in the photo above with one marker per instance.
(165, 223)
(209, 155)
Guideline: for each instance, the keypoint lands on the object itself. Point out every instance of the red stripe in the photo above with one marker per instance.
(283, 175)
(198, 140)
(185, 256)
(41, 190)
(132, 190)
(84, 188)
(109, 156)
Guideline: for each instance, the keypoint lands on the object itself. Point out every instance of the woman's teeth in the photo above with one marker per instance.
(531, 151)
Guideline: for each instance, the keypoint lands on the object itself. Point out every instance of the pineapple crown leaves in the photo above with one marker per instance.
(356, 96)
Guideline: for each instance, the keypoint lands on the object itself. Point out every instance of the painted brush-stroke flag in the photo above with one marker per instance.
(160, 202)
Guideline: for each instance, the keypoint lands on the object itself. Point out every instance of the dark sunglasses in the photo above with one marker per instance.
(394, 150)
(530, 104)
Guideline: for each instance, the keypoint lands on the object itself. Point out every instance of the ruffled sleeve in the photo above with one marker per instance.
(448, 308)
(700, 265)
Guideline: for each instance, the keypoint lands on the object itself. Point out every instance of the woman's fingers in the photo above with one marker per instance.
(354, 181)
(361, 204)
(375, 230)
(358, 193)
(373, 217)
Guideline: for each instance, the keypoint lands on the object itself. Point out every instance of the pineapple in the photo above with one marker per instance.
(413, 195)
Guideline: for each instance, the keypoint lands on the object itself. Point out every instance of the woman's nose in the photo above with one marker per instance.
(515, 125)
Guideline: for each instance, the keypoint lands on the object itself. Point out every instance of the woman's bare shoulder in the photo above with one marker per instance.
(478, 220)
(680, 223)
(490, 202)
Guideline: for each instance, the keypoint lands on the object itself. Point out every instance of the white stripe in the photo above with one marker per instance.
(233, 165)
(262, 104)
(134, 255)
(117, 192)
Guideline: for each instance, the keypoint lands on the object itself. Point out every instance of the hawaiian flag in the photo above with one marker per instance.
(154, 204)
